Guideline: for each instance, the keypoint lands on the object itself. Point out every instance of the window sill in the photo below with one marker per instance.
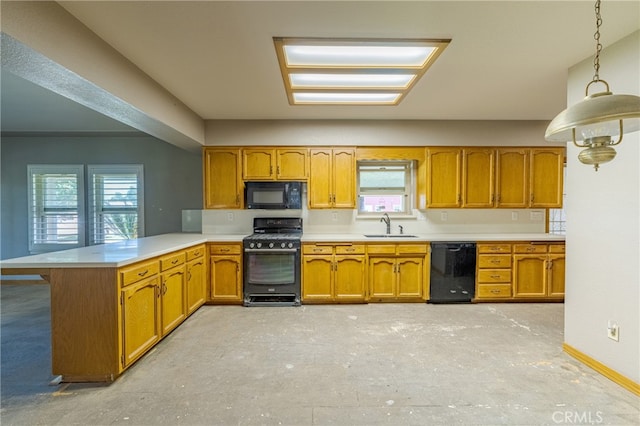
(392, 216)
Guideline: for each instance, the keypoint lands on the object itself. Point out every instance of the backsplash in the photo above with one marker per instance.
(437, 221)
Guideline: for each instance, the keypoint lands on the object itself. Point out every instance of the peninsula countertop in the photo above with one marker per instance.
(127, 252)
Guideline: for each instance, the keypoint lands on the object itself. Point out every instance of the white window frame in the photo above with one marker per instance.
(557, 218)
(94, 200)
(409, 186)
(36, 205)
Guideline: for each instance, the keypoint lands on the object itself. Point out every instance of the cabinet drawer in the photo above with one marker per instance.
(497, 261)
(138, 272)
(494, 276)
(556, 248)
(225, 249)
(412, 249)
(494, 248)
(316, 249)
(529, 248)
(353, 249)
(490, 291)
(381, 249)
(172, 260)
(194, 253)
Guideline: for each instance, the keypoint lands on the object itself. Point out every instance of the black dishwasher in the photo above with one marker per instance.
(453, 272)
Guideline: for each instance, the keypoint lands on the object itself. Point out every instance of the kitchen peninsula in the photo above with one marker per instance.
(111, 303)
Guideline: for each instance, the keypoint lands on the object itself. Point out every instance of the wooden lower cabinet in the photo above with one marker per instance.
(172, 293)
(141, 320)
(225, 273)
(104, 319)
(333, 273)
(398, 272)
(520, 271)
(196, 279)
(538, 271)
(493, 271)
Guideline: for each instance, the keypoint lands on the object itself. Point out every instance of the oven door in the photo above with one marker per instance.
(271, 271)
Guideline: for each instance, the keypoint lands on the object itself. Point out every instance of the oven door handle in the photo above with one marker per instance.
(248, 250)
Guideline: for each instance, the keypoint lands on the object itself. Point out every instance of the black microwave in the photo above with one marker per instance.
(273, 195)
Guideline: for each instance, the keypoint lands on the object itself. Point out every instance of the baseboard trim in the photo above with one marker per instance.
(609, 373)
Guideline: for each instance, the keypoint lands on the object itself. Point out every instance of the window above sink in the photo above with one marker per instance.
(385, 187)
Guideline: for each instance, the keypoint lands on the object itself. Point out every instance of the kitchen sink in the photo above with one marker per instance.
(390, 236)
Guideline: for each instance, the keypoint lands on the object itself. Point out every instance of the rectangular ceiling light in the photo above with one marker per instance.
(353, 71)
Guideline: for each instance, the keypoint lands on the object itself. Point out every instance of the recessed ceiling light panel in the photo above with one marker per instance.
(300, 80)
(346, 98)
(353, 71)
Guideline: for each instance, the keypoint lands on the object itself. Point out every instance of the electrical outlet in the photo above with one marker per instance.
(514, 215)
(334, 216)
(230, 217)
(613, 331)
(444, 216)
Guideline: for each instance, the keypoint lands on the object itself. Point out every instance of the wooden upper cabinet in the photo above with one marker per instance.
(478, 177)
(547, 167)
(223, 186)
(344, 178)
(443, 177)
(512, 178)
(292, 164)
(319, 190)
(258, 164)
(332, 175)
(275, 164)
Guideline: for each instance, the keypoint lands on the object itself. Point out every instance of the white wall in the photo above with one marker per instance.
(603, 232)
(375, 132)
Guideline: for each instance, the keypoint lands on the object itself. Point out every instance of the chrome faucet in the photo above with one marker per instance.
(385, 218)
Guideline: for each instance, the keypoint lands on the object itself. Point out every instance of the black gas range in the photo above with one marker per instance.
(272, 262)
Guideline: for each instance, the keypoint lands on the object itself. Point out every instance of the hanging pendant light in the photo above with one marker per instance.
(597, 119)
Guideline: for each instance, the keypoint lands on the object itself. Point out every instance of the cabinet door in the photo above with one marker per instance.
(140, 319)
(292, 164)
(226, 278)
(443, 177)
(258, 164)
(382, 277)
(173, 301)
(529, 275)
(223, 187)
(410, 277)
(547, 170)
(477, 177)
(196, 284)
(512, 178)
(556, 276)
(344, 178)
(349, 278)
(317, 275)
(319, 188)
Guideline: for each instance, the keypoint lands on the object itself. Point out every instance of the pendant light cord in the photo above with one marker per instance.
(596, 36)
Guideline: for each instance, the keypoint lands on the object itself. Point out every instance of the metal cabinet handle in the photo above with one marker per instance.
(142, 274)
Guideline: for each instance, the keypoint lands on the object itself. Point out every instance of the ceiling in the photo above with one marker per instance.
(508, 60)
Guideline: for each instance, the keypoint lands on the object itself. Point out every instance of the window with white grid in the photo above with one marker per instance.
(557, 217)
(384, 187)
(115, 203)
(56, 207)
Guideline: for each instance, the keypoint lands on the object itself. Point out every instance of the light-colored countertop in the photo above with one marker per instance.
(433, 237)
(131, 251)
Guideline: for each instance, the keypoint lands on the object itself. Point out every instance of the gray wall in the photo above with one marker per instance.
(172, 178)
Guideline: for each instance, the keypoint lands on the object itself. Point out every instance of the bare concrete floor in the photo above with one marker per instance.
(393, 364)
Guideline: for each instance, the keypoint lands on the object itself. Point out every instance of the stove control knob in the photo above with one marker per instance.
(290, 245)
(252, 245)
(283, 245)
(258, 245)
(270, 245)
